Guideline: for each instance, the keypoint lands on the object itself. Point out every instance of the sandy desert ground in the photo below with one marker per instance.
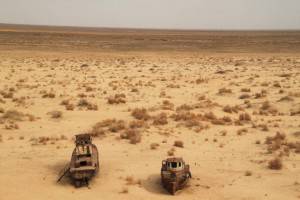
(230, 102)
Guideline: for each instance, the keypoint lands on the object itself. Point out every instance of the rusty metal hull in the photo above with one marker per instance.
(174, 179)
(82, 174)
(174, 185)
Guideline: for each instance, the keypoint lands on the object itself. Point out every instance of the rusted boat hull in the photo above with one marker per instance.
(82, 174)
(173, 186)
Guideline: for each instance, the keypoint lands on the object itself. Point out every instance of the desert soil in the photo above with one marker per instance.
(230, 100)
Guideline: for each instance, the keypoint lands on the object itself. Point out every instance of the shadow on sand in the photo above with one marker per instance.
(58, 170)
(153, 184)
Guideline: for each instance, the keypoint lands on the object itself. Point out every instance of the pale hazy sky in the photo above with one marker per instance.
(186, 14)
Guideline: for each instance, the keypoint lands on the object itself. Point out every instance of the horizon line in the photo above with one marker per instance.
(147, 29)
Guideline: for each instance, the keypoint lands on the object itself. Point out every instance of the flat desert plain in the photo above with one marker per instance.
(227, 102)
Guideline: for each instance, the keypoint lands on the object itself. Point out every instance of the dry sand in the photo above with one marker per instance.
(225, 107)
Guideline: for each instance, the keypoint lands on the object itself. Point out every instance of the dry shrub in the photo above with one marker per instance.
(134, 90)
(7, 95)
(2, 101)
(218, 122)
(232, 109)
(50, 95)
(276, 84)
(184, 107)
(190, 119)
(248, 173)
(241, 131)
(70, 107)
(201, 80)
(63, 137)
(167, 105)
(245, 90)
(137, 124)
(266, 108)
(244, 96)
(261, 94)
(295, 111)
(202, 97)
(14, 115)
(275, 164)
(86, 104)
(43, 140)
(97, 131)
(173, 86)
(2, 110)
(117, 99)
(192, 123)
(171, 152)
(82, 103)
(91, 106)
(184, 116)
(105, 123)
(89, 89)
(84, 65)
(263, 127)
(117, 125)
(279, 137)
(160, 119)
(294, 94)
(111, 125)
(224, 91)
(285, 75)
(265, 105)
(154, 146)
(55, 114)
(65, 102)
(226, 120)
(245, 117)
(140, 114)
(279, 143)
(11, 125)
(286, 99)
(179, 143)
(210, 116)
(132, 181)
(1, 140)
(124, 191)
(133, 135)
(82, 95)
(223, 133)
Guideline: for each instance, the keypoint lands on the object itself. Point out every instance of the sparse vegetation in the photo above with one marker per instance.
(224, 91)
(275, 164)
(116, 99)
(140, 114)
(160, 119)
(171, 152)
(83, 103)
(133, 135)
(154, 146)
(55, 114)
(179, 143)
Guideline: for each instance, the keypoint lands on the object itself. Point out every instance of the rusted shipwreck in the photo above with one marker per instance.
(84, 162)
(174, 174)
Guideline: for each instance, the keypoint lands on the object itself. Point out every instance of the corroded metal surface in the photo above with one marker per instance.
(84, 161)
(174, 174)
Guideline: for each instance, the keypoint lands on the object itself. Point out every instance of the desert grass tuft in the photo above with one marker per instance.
(275, 164)
(140, 114)
(179, 143)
